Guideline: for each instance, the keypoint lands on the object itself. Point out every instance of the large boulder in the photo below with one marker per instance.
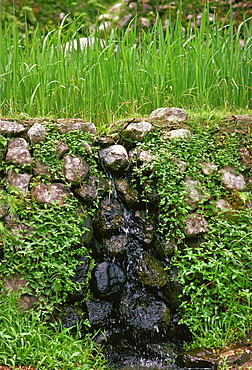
(19, 180)
(36, 133)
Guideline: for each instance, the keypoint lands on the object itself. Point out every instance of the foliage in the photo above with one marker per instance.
(203, 68)
(27, 341)
(41, 242)
(215, 270)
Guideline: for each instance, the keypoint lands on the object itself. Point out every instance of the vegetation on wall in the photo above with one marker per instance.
(215, 273)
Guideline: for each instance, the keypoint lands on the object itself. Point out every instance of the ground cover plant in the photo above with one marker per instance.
(28, 341)
(215, 273)
(204, 68)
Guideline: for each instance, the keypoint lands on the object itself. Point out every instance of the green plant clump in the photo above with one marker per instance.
(214, 271)
(28, 341)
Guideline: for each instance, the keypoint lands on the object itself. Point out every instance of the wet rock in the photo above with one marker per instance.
(150, 271)
(18, 152)
(87, 231)
(80, 277)
(195, 224)
(199, 358)
(136, 131)
(99, 312)
(66, 125)
(72, 317)
(115, 158)
(11, 127)
(48, 194)
(237, 356)
(143, 229)
(168, 115)
(107, 280)
(231, 180)
(116, 246)
(144, 313)
(93, 188)
(75, 169)
(109, 216)
(36, 133)
(19, 180)
(208, 168)
(194, 194)
(130, 195)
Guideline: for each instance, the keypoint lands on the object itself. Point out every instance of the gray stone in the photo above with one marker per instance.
(195, 224)
(87, 231)
(223, 205)
(231, 180)
(180, 133)
(19, 180)
(10, 127)
(115, 157)
(53, 193)
(136, 131)
(62, 149)
(75, 169)
(194, 194)
(36, 133)
(208, 168)
(18, 152)
(66, 125)
(169, 114)
(140, 156)
(92, 189)
(41, 169)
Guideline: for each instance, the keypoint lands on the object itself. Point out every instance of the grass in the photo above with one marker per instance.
(27, 341)
(197, 69)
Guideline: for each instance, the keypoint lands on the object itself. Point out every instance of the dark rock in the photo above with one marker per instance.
(107, 280)
(99, 311)
(80, 277)
(144, 313)
(87, 231)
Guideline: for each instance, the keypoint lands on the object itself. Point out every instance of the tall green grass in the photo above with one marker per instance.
(27, 341)
(193, 68)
